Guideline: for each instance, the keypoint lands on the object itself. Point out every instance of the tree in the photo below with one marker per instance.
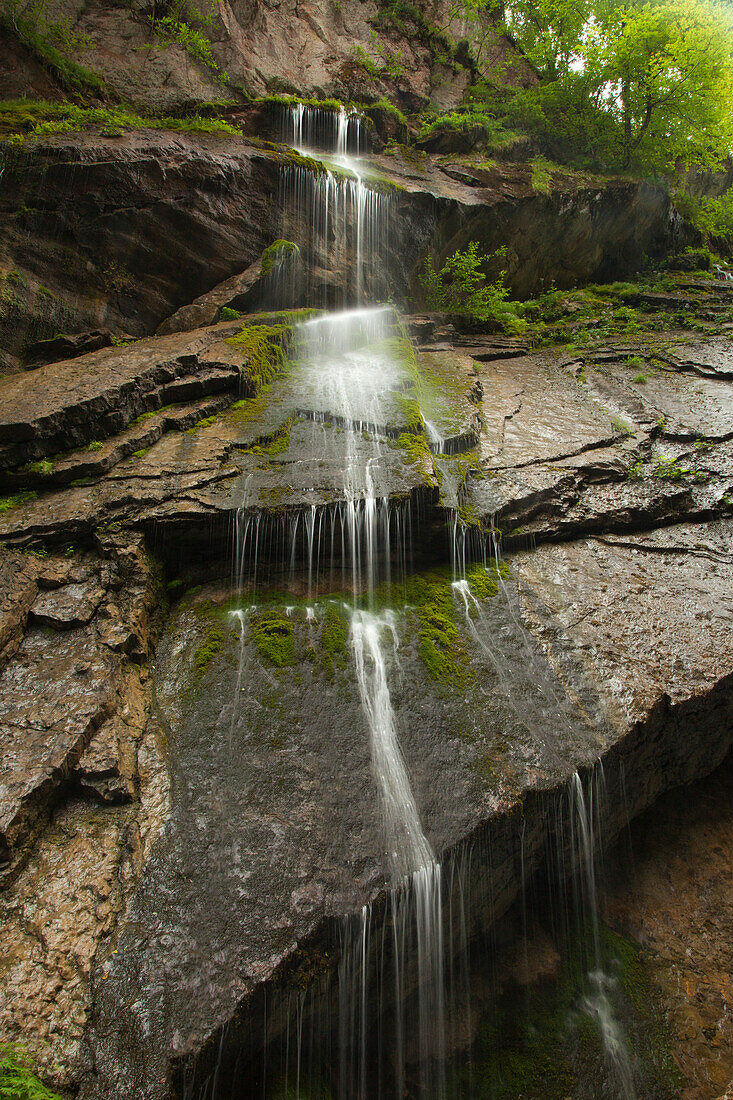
(646, 85)
(668, 81)
(549, 32)
(462, 287)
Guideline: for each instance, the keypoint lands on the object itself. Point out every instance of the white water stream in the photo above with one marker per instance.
(349, 377)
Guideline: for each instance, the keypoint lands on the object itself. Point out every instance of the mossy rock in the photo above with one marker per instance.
(273, 636)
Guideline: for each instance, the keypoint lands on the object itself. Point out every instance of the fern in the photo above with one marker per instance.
(17, 1081)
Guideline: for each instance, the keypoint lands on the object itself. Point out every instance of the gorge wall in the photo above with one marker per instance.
(252, 539)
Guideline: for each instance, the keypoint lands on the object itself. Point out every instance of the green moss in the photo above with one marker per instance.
(541, 178)
(97, 444)
(264, 347)
(414, 448)
(334, 639)
(210, 648)
(141, 453)
(484, 582)
(8, 503)
(146, 416)
(274, 255)
(441, 646)
(273, 636)
(43, 466)
(36, 118)
(275, 445)
(17, 1080)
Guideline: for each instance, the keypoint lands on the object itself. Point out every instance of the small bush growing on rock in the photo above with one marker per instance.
(462, 287)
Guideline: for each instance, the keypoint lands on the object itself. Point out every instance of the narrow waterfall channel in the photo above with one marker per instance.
(400, 1015)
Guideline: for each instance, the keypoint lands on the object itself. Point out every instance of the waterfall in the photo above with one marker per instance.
(408, 850)
(596, 1003)
(350, 375)
(339, 216)
(416, 874)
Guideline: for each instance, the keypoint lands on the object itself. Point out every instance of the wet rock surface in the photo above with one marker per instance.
(609, 638)
(678, 909)
(96, 232)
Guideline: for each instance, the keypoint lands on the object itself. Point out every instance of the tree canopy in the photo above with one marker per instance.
(646, 84)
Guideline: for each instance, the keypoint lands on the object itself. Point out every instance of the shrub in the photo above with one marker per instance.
(462, 287)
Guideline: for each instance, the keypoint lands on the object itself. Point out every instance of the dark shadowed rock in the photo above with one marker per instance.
(65, 347)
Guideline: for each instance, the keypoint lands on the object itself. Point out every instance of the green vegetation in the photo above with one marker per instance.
(621, 426)
(713, 220)
(462, 287)
(17, 1080)
(412, 22)
(213, 642)
(274, 255)
(668, 469)
(20, 119)
(334, 639)
(484, 581)
(264, 347)
(643, 86)
(276, 445)
(273, 636)
(43, 466)
(171, 29)
(542, 174)
(7, 503)
(53, 42)
(540, 1043)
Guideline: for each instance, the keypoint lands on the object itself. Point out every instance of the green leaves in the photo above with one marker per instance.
(643, 85)
(17, 1082)
(461, 286)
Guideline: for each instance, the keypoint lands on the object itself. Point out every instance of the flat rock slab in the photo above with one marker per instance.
(450, 395)
(651, 615)
(647, 395)
(534, 412)
(712, 357)
(281, 824)
(69, 606)
(103, 391)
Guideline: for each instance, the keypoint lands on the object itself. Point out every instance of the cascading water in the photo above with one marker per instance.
(350, 376)
(596, 1002)
(416, 874)
(401, 995)
(338, 217)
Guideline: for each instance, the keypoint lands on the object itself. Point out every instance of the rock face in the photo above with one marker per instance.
(200, 526)
(679, 910)
(355, 52)
(609, 638)
(76, 635)
(122, 233)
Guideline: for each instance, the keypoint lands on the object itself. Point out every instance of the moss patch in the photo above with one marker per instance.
(8, 503)
(441, 646)
(274, 255)
(273, 636)
(264, 347)
(36, 118)
(210, 648)
(334, 639)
